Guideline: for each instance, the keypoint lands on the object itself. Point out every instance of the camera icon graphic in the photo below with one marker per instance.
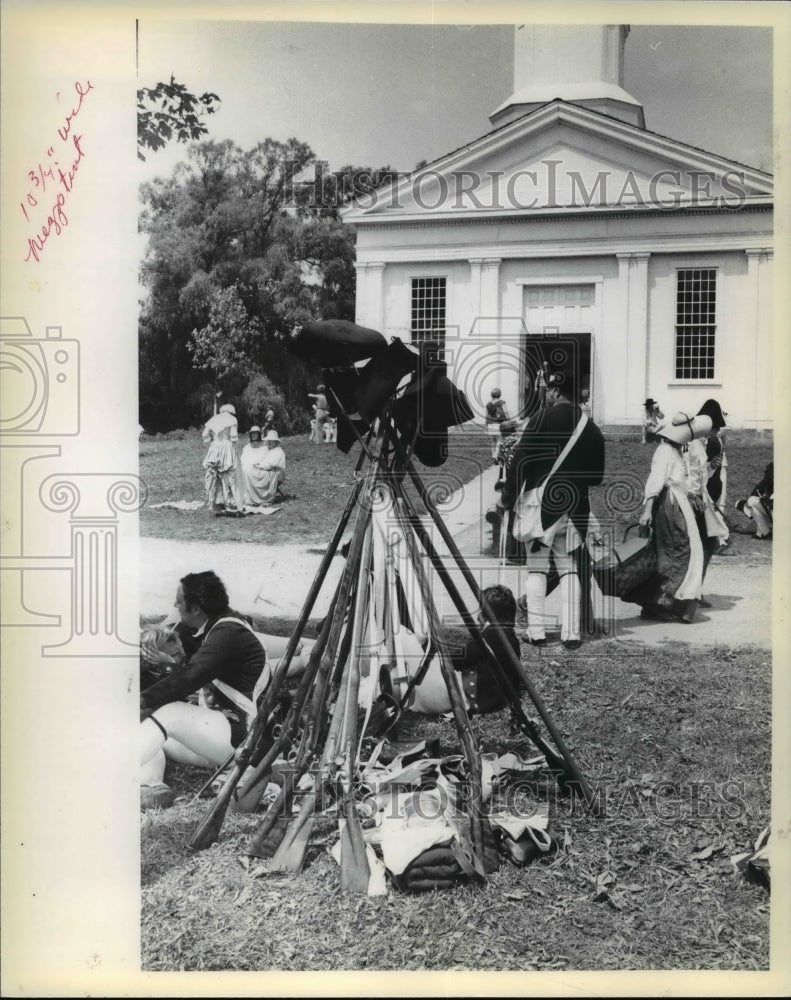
(39, 381)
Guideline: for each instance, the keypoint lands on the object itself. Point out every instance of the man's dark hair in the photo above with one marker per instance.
(502, 602)
(205, 591)
(565, 384)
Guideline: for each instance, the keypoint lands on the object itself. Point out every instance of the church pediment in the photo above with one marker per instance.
(563, 159)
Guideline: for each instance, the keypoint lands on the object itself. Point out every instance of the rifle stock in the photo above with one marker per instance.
(334, 625)
(251, 793)
(319, 666)
(569, 774)
(209, 828)
(262, 845)
(451, 682)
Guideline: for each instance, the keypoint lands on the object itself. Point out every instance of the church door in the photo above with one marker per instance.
(559, 320)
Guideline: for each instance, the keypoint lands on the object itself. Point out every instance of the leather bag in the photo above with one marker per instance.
(627, 566)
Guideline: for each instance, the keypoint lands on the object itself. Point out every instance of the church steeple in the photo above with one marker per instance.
(581, 64)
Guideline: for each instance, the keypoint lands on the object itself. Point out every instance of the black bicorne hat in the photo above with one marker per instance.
(711, 408)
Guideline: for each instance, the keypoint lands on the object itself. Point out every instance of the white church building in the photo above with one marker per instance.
(572, 231)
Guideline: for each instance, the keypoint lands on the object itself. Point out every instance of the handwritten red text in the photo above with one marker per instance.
(51, 181)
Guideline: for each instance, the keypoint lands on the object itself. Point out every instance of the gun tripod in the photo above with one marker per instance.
(321, 734)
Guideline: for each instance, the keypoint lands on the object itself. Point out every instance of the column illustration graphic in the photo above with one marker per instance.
(93, 502)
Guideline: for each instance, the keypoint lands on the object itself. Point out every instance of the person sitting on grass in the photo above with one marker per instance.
(273, 468)
(481, 687)
(225, 660)
(759, 504)
(653, 417)
(263, 468)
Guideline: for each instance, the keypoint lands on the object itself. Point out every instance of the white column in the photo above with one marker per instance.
(758, 404)
(638, 332)
(375, 281)
(360, 300)
(475, 292)
(632, 310)
(369, 309)
(490, 291)
(616, 387)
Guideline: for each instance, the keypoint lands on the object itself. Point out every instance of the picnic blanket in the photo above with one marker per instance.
(246, 511)
(178, 504)
(198, 504)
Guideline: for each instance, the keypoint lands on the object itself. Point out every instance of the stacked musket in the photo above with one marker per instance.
(394, 401)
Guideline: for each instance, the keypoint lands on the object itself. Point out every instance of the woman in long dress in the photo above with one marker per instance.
(252, 455)
(673, 592)
(263, 469)
(221, 433)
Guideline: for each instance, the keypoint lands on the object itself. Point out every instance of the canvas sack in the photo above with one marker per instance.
(527, 524)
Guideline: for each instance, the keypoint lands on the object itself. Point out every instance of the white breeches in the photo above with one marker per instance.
(755, 509)
(536, 590)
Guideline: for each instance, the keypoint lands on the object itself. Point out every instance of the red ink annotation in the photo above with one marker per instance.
(51, 182)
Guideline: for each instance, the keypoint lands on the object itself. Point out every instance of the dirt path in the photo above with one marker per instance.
(272, 580)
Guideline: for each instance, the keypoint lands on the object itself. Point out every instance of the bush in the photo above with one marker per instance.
(262, 395)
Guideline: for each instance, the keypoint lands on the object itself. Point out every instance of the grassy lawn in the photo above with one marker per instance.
(319, 479)
(675, 741)
(684, 789)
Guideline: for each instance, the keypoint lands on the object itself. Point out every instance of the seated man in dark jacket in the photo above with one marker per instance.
(224, 657)
(759, 505)
(565, 507)
(481, 686)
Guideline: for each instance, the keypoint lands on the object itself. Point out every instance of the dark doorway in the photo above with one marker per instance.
(570, 352)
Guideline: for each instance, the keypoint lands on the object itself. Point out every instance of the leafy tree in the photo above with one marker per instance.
(169, 110)
(239, 253)
(261, 395)
(222, 346)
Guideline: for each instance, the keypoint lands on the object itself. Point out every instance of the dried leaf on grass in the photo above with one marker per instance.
(707, 852)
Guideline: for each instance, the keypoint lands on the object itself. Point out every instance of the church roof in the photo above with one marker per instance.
(592, 148)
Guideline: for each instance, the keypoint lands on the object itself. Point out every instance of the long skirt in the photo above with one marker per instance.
(220, 478)
(260, 487)
(676, 585)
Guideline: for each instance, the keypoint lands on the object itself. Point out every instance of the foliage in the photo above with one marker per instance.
(261, 395)
(169, 110)
(243, 247)
(222, 345)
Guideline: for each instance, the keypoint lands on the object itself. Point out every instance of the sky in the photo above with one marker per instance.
(393, 95)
